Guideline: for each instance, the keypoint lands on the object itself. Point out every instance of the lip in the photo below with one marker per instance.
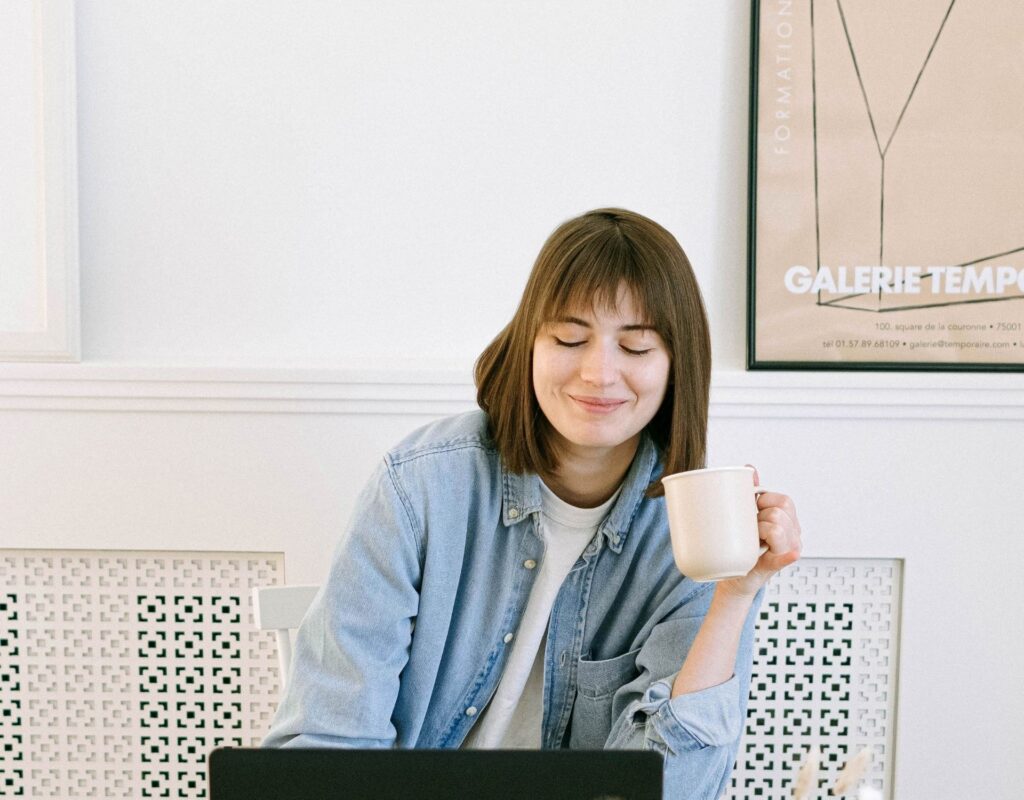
(597, 405)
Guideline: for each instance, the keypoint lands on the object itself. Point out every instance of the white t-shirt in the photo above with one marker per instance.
(514, 716)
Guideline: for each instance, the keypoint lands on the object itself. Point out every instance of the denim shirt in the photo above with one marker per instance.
(407, 639)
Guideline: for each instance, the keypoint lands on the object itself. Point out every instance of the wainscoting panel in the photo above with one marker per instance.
(825, 669)
(120, 671)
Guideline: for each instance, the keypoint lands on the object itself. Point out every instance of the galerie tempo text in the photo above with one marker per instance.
(904, 280)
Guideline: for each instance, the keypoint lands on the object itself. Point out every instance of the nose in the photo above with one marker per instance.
(599, 366)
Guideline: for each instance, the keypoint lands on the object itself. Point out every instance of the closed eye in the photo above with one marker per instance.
(631, 351)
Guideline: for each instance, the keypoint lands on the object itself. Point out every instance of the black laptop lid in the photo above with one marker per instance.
(257, 774)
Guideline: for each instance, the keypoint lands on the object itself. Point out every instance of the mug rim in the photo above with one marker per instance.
(704, 471)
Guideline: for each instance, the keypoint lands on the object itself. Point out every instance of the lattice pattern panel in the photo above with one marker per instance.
(120, 671)
(825, 671)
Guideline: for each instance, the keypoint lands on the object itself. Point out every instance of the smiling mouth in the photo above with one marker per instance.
(597, 405)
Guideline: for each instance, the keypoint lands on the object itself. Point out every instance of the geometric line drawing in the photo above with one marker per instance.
(882, 150)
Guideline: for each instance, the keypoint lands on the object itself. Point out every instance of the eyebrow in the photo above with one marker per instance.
(583, 323)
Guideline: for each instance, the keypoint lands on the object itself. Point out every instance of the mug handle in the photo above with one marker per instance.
(761, 490)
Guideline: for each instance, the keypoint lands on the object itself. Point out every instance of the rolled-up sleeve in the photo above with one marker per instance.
(697, 733)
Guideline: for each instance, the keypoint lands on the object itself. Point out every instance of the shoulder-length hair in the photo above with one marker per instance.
(583, 264)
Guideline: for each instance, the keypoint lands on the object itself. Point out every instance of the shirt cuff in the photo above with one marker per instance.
(692, 721)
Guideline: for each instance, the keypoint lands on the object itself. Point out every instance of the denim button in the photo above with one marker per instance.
(529, 563)
(513, 513)
(471, 711)
(508, 638)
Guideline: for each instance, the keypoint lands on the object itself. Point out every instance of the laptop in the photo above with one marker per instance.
(322, 774)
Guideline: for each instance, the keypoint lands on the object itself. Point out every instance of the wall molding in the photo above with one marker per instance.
(445, 389)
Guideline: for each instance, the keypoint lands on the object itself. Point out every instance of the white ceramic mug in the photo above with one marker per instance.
(712, 517)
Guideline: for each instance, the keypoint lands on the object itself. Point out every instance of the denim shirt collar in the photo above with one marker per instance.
(521, 494)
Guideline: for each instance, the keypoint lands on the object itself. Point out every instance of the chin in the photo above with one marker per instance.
(582, 436)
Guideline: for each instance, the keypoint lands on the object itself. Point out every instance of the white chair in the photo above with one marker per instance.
(281, 609)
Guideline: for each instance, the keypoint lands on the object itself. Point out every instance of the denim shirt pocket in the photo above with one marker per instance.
(596, 685)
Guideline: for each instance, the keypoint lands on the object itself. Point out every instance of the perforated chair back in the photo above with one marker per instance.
(281, 609)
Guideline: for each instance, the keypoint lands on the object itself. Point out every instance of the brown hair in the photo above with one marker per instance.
(583, 263)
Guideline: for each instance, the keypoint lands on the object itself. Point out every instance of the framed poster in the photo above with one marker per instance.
(887, 185)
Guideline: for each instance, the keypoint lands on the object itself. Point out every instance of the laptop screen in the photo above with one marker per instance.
(322, 774)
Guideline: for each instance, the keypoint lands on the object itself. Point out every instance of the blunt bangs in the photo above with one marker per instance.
(590, 278)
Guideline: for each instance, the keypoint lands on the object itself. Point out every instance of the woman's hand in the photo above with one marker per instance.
(779, 529)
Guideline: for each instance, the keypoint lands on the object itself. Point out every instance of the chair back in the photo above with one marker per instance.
(281, 609)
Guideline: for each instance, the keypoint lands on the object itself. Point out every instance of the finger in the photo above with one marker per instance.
(779, 514)
(778, 531)
(775, 536)
(777, 500)
(775, 514)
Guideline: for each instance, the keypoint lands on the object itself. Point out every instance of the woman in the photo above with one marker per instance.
(507, 578)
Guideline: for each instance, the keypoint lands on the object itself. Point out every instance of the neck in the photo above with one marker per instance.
(586, 478)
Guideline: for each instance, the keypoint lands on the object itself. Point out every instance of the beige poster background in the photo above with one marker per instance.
(890, 157)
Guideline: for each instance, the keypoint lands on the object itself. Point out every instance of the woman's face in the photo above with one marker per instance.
(599, 376)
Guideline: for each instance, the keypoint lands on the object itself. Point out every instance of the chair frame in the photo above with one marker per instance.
(281, 609)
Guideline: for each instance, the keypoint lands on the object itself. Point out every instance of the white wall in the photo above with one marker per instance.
(300, 222)
(265, 182)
